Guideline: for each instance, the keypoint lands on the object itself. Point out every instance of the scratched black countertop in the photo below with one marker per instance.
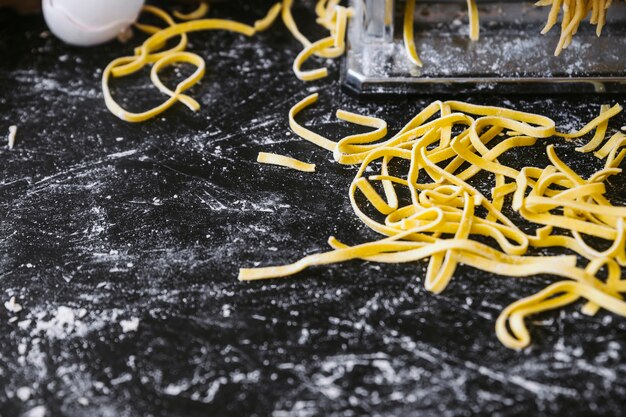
(122, 243)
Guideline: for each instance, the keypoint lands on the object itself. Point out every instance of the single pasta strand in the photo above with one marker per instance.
(151, 30)
(601, 16)
(290, 23)
(302, 131)
(409, 33)
(320, 8)
(265, 23)
(199, 13)
(284, 161)
(472, 11)
(175, 95)
(306, 53)
(598, 138)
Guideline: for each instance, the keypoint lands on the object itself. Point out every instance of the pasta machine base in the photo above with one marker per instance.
(510, 57)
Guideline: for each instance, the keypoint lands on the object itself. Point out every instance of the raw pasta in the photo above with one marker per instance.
(331, 16)
(149, 53)
(573, 13)
(284, 161)
(446, 212)
(199, 13)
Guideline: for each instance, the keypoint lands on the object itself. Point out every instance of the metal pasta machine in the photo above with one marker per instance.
(511, 55)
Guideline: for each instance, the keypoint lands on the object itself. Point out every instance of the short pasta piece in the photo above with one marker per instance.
(284, 161)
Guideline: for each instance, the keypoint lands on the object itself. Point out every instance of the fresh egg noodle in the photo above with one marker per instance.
(199, 13)
(409, 32)
(284, 161)
(444, 147)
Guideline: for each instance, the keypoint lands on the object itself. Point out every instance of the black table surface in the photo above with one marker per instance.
(122, 242)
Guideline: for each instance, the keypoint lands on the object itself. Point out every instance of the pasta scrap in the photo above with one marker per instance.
(284, 161)
(12, 134)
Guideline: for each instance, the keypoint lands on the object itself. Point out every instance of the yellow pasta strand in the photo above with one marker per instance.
(409, 33)
(290, 23)
(330, 47)
(284, 161)
(472, 11)
(199, 13)
(176, 95)
(265, 23)
(598, 138)
(302, 131)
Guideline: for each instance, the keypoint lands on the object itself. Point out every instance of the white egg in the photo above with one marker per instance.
(90, 22)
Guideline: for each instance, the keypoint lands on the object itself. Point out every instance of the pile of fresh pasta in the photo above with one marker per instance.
(444, 149)
(448, 219)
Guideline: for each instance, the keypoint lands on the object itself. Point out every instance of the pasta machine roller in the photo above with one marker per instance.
(510, 56)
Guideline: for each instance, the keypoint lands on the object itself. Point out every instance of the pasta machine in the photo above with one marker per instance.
(510, 56)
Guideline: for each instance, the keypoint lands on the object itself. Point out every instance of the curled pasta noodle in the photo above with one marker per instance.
(150, 53)
(306, 53)
(265, 23)
(332, 46)
(199, 13)
(151, 30)
(290, 23)
(302, 131)
(554, 296)
(174, 96)
(599, 136)
(409, 30)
